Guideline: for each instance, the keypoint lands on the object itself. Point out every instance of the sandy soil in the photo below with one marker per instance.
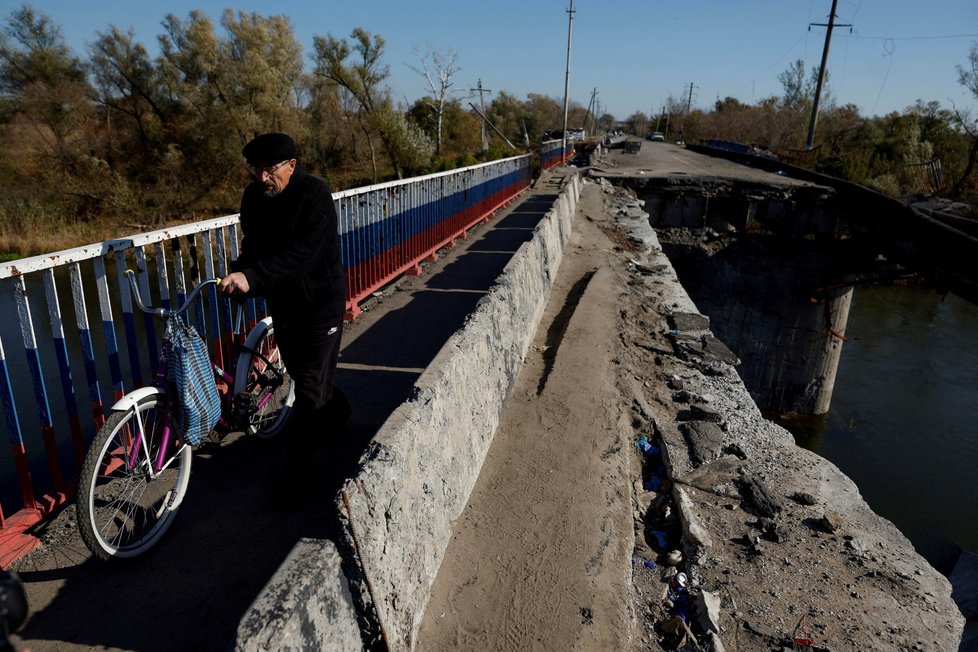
(540, 557)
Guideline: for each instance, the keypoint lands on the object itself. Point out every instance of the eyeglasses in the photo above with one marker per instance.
(259, 170)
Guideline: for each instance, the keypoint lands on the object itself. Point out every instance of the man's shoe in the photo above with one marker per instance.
(338, 409)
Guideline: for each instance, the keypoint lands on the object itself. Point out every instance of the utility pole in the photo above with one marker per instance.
(589, 118)
(689, 105)
(570, 29)
(597, 114)
(810, 140)
(482, 108)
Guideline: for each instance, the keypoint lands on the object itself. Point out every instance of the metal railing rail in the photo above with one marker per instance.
(552, 153)
(385, 230)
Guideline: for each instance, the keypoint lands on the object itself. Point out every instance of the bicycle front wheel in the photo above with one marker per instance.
(262, 383)
(128, 492)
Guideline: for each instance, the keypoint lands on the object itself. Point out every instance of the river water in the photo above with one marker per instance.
(904, 417)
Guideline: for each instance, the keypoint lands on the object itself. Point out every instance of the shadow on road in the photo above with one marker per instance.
(232, 532)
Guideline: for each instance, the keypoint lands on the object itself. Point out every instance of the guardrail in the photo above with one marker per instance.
(385, 230)
(552, 153)
(388, 229)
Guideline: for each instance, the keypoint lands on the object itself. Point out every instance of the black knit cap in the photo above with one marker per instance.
(269, 148)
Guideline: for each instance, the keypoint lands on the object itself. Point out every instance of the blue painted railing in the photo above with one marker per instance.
(553, 153)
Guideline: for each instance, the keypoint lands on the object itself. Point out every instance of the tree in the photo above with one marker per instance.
(130, 89)
(52, 122)
(541, 113)
(32, 51)
(638, 123)
(228, 89)
(968, 77)
(265, 72)
(796, 104)
(362, 80)
(506, 113)
(437, 68)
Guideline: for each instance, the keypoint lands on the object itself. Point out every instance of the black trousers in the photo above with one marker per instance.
(310, 347)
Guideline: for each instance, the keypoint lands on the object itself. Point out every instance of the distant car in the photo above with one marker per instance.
(657, 135)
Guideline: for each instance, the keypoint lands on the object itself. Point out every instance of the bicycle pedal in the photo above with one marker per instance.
(243, 405)
(216, 437)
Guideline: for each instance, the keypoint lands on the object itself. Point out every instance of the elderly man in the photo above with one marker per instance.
(290, 254)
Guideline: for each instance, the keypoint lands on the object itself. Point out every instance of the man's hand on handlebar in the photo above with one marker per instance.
(234, 283)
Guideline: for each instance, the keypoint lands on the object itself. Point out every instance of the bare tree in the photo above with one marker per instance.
(437, 68)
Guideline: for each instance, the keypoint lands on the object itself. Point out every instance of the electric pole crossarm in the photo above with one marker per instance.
(480, 90)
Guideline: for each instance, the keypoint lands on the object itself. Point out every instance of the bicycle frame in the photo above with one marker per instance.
(223, 379)
(162, 461)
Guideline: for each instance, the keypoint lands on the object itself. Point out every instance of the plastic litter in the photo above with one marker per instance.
(679, 581)
(653, 484)
(660, 537)
(647, 448)
(649, 564)
(678, 597)
(681, 606)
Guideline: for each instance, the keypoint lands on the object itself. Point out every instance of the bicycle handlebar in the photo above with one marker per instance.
(163, 312)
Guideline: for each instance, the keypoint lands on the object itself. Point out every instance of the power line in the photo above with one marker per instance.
(913, 38)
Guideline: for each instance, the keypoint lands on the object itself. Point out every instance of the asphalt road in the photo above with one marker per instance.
(668, 160)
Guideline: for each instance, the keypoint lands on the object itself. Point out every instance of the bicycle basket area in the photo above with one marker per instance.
(195, 406)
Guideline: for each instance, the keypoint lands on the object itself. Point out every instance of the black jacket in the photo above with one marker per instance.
(290, 249)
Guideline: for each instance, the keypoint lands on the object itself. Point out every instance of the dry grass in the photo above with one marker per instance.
(35, 238)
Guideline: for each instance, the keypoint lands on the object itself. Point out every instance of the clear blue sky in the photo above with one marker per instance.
(636, 53)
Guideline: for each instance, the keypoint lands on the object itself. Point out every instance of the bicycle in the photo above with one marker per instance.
(137, 470)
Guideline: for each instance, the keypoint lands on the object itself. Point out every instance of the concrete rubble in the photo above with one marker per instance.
(780, 547)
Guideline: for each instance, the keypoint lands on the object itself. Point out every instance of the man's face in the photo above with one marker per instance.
(274, 176)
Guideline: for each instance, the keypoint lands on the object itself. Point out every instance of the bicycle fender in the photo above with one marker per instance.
(130, 400)
(257, 333)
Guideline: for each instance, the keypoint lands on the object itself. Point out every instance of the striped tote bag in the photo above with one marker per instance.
(195, 406)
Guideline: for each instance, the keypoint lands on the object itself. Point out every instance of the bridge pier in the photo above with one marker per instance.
(762, 263)
(774, 306)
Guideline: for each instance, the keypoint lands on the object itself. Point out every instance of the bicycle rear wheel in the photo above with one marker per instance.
(260, 380)
(123, 507)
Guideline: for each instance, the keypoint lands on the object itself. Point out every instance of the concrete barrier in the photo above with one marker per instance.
(307, 605)
(397, 514)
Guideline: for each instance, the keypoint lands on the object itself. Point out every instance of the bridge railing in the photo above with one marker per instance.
(389, 229)
(552, 153)
(59, 370)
